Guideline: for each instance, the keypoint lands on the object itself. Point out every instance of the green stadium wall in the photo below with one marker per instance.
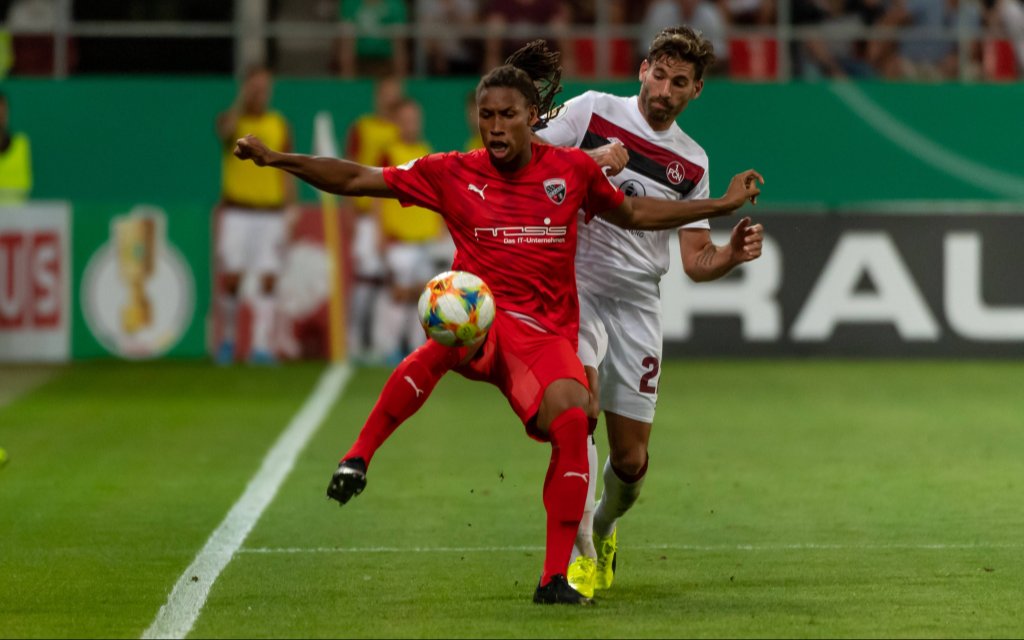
(819, 145)
(119, 148)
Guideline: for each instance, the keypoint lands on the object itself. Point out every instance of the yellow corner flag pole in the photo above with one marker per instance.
(324, 145)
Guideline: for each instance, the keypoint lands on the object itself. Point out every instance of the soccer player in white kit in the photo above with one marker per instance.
(618, 271)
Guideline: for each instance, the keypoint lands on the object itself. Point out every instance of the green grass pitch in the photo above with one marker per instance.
(785, 499)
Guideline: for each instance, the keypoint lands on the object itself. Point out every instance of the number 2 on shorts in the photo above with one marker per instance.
(652, 365)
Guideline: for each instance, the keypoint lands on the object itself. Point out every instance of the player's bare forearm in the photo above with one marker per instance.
(332, 175)
(711, 262)
(703, 260)
(654, 213)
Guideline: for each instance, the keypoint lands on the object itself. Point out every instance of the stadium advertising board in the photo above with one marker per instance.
(142, 273)
(35, 264)
(859, 285)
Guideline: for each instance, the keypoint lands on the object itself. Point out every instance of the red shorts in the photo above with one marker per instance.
(522, 361)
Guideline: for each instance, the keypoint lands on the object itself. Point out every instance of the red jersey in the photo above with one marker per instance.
(517, 231)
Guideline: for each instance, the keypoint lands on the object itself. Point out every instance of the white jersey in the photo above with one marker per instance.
(611, 261)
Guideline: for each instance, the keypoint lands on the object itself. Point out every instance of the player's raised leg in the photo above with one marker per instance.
(624, 473)
(408, 387)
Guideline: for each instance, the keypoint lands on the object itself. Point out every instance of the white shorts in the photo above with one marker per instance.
(623, 342)
(410, 264)
(251, 241)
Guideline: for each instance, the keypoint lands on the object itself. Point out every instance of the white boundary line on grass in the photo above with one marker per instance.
(647, 547)
(177, 616)
(929, 152)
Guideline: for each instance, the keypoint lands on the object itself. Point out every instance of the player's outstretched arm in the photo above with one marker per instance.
(703, 260)
(332, 175)
(655, 213)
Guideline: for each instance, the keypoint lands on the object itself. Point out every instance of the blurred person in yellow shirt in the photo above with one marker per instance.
(257, 209)
(15, 160)
(367, 139)
(409, 235)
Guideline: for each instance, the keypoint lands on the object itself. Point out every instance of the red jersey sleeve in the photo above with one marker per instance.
(419, 182)
(601, 194)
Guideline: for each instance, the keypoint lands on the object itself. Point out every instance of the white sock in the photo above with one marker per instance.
(616, 500)
(385, 332)
(413, 329)
(228, 305)
(361, 306)
(262, 322)
(585, 535)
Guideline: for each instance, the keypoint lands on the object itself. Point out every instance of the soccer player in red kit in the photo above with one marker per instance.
(511, 210)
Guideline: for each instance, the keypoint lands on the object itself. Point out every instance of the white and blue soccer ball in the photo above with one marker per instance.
(456, 308)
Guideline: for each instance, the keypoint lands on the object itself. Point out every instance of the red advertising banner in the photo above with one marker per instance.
(35, 264)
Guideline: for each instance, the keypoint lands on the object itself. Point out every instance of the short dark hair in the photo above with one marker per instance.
(534, 70)
(685, 44)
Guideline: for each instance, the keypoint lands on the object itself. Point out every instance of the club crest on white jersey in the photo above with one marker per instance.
(675, 172)
(555, 189)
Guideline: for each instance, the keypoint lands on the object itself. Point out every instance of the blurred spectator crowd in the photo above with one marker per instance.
(754, 39)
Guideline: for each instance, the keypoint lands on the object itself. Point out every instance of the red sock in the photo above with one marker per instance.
(565, 495)
(404, 393)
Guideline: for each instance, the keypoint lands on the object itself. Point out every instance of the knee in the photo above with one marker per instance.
(554, 405)
(231, 282)
(268, 282)
(560, 397)
(630, 462)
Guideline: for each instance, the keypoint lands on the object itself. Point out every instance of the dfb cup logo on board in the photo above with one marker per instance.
(137, 290)
(675, 173)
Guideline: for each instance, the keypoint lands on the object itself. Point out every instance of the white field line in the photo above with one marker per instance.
(649, 547)
(177, 616)
(17, 381)
(926, 150)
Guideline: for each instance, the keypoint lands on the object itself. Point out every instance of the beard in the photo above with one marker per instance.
(659, 111)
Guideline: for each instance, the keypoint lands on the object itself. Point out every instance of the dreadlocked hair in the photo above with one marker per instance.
(534, 71)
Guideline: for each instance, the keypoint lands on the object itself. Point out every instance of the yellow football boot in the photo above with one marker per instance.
(583, 575)
(607, 549)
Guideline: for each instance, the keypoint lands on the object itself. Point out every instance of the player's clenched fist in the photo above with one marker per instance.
(252, 148)
(612, 156)
(746, 240)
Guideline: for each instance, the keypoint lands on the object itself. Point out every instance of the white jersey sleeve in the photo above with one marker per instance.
(702, 192)
(568, 124)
